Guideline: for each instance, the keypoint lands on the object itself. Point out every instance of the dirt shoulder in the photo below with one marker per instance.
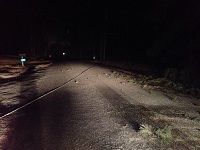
(163, 109)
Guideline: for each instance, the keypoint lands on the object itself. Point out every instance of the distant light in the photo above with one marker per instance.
(49, 56)
(94, 57)
(63, 54)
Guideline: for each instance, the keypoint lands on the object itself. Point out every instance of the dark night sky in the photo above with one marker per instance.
(134, 29)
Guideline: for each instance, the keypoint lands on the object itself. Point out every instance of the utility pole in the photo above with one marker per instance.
(105, 33)
(101, 45)
(32, 49)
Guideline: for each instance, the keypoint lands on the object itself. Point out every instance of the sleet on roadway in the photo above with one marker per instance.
(83, 106)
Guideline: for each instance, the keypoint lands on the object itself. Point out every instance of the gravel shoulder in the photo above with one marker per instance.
(159, 107)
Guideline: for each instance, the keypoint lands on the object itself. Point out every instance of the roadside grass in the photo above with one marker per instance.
(146, 129)
(163, 134)
(159, 83)
(186, 116)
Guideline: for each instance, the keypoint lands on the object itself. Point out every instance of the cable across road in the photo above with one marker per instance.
(49, 92)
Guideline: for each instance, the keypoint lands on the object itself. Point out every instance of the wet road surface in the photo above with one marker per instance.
(82, 114)
(73, 106)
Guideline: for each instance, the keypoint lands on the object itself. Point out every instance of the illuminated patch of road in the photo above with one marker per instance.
(55, 89)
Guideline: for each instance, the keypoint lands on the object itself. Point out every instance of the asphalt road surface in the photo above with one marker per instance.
(71, 106)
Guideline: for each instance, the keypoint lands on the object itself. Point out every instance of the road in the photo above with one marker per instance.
(74, 106)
